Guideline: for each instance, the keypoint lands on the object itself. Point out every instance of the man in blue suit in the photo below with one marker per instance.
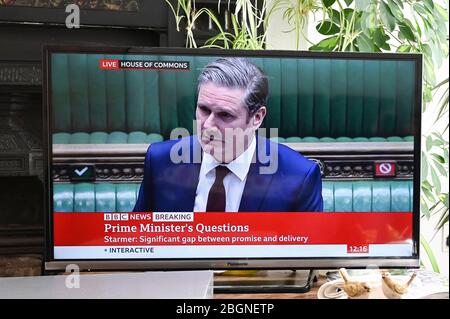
(227, 167)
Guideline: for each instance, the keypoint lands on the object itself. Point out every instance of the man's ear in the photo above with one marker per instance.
(258, 117)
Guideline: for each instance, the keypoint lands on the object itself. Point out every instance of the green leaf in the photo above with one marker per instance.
(425, 212)
(396, 10)
(328, 3)
(327, 44)
(440, 167)
(426, 49)
(404, 48)
(387, 16)
(406, 31)
(429, 5)
(235, 24)
(348, 13)
(373, 18)
(438, 142)
(424, 168)
(420, 8)
(429, 143)
(365, 23)
(444, 219)
(436, 181)
(365, 44)
(350, 47)
(428, 194)
(430, 77)
(386, 47)
(430, 254)
(380, 38)
(348, 2)
(427, 95)
(443, 12)
(434, 206)
(438, 159)
(399, 3)
(426, 184)
(335, 16)
(419, 31)
(410, 25)
(376, 48)
(327, 27)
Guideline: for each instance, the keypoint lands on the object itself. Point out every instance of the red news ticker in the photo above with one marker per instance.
(109, 64)
(350, 228)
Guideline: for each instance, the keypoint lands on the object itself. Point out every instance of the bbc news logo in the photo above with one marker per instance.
(115, 216)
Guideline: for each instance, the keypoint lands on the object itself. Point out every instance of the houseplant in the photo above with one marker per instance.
(403, 26)
(364, 26)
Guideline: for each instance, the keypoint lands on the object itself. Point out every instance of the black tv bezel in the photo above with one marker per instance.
(52, 264)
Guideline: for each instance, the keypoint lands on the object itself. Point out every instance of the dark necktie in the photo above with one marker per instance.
(216, 196)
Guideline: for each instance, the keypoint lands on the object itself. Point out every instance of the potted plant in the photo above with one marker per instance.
(364, 26)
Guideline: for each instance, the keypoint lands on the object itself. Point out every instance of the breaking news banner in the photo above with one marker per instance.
(143, 65)
(216, 235)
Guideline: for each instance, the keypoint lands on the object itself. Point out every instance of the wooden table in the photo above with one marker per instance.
(261, 276)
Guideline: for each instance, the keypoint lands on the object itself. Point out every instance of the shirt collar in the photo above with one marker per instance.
(239, 166)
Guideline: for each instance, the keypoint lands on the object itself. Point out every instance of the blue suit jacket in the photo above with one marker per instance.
(295, 186)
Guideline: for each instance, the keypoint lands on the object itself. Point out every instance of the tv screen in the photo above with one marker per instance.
(222, 159)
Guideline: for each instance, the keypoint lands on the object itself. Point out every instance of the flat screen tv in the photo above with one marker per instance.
(163, 158)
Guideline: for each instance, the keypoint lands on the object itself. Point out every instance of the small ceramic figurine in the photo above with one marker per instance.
(393, 289)
(354, 289)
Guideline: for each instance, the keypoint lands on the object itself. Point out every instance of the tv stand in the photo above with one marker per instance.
(264, 281)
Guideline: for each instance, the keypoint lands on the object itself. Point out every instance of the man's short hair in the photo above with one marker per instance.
(235, 72)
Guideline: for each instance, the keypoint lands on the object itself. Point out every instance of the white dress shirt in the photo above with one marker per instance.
(234, 182)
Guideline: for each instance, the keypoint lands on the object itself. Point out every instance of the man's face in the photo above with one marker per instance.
(224, 126)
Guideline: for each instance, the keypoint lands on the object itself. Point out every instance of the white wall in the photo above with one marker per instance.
(277, 36)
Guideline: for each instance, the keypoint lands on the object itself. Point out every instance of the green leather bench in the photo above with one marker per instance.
(318, 99)
(143, 138)
(339, 196)
(106, 138)
(343, 139)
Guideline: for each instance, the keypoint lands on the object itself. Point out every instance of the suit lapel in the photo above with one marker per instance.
(256, 185)
(189, 180)
(188, 175)
(192, 173)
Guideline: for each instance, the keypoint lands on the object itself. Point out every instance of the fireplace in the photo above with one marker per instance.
(22, 214)
(21, 166)
(21, 171)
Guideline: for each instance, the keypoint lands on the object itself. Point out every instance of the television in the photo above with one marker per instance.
(139, 175)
